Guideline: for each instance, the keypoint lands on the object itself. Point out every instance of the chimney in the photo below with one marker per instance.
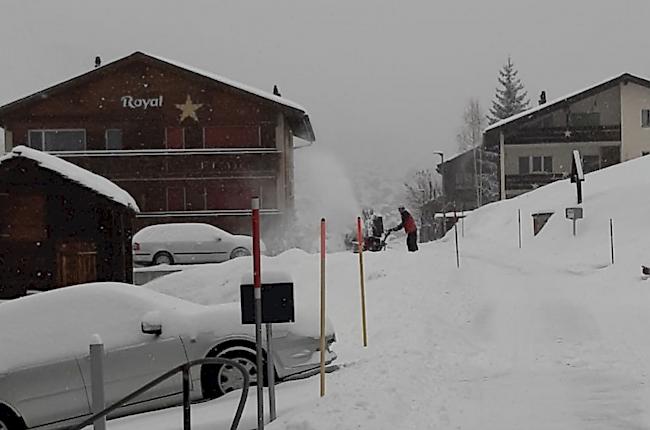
(542, 97)
(98, 61)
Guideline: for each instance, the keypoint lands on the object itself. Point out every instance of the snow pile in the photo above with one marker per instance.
(97, 183)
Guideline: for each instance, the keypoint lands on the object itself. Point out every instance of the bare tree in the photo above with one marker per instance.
(470, 138)
(421, 189)
(474, 121)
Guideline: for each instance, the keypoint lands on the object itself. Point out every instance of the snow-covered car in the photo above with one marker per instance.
(44, 351)
(188, 243)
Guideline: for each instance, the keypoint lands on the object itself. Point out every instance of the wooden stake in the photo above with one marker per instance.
(362, 278)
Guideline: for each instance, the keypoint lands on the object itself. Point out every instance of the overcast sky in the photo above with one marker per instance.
(385, 76)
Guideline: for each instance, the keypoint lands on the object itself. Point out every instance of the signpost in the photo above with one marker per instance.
(257, 283)
(574, 214)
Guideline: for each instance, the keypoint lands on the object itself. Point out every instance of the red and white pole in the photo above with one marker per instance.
(257, 284)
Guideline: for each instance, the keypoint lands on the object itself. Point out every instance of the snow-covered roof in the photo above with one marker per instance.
(453, 157)
(83, 177)
(231, 82)
(303, 127)
(564, 98)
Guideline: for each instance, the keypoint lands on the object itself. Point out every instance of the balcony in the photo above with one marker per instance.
(531, 181)
(601, 133)
(125, 166)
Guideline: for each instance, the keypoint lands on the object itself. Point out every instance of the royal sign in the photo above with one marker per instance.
(133, 103)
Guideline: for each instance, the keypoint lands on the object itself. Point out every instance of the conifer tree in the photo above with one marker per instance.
(510, 97)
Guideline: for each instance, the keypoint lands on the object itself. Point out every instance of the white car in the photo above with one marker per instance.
(44, 351)
(188, 243)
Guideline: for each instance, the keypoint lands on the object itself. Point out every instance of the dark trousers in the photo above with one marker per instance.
(412, 241)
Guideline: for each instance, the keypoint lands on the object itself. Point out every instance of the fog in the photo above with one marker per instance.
(384, 82)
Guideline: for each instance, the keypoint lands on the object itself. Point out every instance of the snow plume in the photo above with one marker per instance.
(322, 190)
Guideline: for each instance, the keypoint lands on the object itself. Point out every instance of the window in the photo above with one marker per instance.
(195, 196)
(645, 118)
(524, 165)
(174, 137)
(175, 199)
(535, 164)
(58, 140)
(114, 138)
(232, 137)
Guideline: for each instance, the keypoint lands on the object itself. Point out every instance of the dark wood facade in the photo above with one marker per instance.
(188, 146)
(55, 232)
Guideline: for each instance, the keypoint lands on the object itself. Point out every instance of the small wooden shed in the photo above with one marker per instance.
(60, 225)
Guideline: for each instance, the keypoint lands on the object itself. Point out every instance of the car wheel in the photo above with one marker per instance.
(219, 379)
(239, 252)
(163, 257)
(9, 421)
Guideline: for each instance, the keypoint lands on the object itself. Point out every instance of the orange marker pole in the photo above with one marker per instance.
(323, 326)
(363, 287)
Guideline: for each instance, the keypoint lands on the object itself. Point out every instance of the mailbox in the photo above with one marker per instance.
(574, 213)
(277, 299)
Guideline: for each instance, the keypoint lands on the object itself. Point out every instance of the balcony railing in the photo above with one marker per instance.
(601, 133)
(531, 181)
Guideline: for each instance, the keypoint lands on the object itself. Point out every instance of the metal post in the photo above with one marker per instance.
(579, 185)
(574, 226)
(323, 325)
(462, 223)
(97, 381)
(456, 236)
(611, 238)
(187, 420)
(270, 371)
(519, 222)
(257, 283)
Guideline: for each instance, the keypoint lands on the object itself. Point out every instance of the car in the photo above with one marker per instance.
(44, 359)
(188, 243)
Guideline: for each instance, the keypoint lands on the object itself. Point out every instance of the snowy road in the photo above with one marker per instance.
(550, 336)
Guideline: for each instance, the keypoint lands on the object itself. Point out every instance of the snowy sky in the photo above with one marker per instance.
(376, 75)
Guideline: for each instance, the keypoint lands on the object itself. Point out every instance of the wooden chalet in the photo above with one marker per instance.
(188, 145)
(607, 123)
(60, 225)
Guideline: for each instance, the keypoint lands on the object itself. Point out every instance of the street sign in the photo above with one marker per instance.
(277, 303)
(574, 213)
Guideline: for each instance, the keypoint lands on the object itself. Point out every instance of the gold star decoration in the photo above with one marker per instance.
(188, 109)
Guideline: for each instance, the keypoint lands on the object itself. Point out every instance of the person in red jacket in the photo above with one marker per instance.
(411, 229)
